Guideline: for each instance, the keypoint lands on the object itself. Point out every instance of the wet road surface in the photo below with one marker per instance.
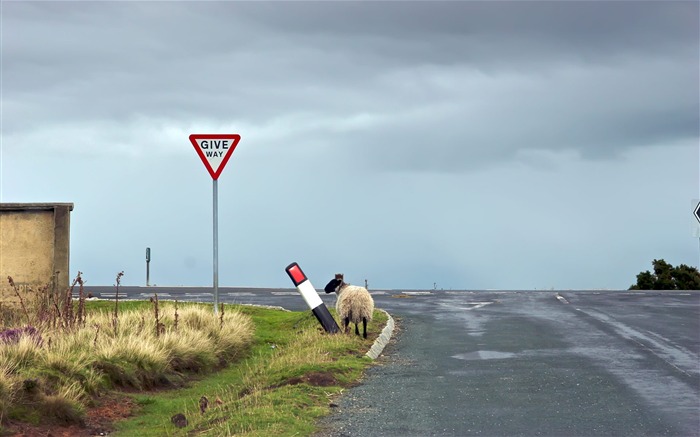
(531, 364)
(520, 363)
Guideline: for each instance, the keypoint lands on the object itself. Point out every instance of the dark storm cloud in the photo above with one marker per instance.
(478, 81)
(451, 29)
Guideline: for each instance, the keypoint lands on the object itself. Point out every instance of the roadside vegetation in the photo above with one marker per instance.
(282, 388)
(667, 277)
(171, 368)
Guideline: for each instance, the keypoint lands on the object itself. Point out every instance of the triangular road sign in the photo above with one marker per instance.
(215, 150)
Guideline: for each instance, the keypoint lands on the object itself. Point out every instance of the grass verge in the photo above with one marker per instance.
(282, 388)
(51, 373)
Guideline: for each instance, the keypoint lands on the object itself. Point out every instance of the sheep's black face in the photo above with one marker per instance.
(332, 285)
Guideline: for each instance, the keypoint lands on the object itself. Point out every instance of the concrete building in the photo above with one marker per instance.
(34, 245)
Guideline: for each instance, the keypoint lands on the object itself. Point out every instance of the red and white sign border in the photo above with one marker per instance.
(235, 138)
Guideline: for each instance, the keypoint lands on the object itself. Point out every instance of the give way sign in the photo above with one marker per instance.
(215, 150)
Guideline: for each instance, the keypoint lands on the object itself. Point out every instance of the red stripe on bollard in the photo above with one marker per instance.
(295, 273)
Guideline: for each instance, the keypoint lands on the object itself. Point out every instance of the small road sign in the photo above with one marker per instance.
(696, 212)
(215, 150)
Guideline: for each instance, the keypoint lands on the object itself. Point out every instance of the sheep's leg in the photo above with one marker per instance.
(357, 330)
(346, 324)
(364, 327)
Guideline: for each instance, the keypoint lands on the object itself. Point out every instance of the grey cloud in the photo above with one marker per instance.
(459, 84)
(598, 112)
(571, 25)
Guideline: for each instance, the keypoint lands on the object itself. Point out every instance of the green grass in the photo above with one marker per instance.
(282, 388)
(59, 373)
(264, 371)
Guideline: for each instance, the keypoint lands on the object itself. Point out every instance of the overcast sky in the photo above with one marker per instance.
(471, 145)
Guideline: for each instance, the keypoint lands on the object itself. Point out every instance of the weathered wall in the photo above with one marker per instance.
(34, 244)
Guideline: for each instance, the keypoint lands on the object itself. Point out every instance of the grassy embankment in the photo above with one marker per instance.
(262, 371)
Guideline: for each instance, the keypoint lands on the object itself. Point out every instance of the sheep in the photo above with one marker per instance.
(354, 304)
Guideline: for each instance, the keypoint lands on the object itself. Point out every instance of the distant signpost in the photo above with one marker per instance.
(215, 150)
(148, 269)
(696, 224)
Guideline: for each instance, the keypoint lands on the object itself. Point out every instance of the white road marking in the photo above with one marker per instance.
(484, 355)
(476, 305)
(675, 355)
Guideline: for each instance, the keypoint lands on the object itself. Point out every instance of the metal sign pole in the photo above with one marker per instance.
(696, 225)
(216, 247)
(215, 151)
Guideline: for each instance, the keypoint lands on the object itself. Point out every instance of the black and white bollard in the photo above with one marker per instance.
(308, 292)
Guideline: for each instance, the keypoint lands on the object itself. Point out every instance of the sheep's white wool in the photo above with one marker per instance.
(356, 302)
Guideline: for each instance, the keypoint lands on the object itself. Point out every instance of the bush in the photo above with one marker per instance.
(667, 277)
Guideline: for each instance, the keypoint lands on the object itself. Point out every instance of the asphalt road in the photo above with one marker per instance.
(516, 363)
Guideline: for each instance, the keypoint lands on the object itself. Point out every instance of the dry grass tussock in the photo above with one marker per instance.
(54, 365)
(8, 387)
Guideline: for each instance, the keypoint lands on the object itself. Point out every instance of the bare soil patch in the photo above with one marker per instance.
(99, 420)
(320, 379)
